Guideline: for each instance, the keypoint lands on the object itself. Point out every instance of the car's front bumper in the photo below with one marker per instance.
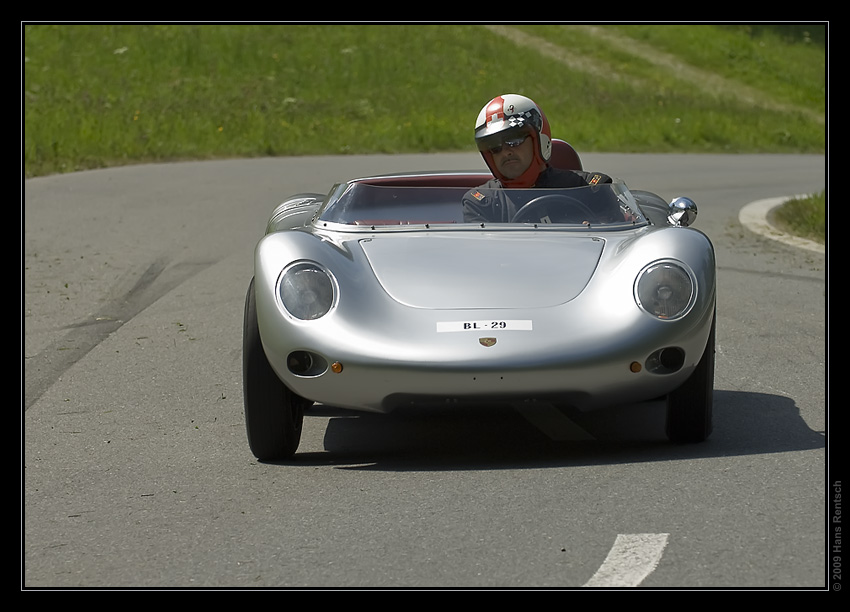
(577, 363)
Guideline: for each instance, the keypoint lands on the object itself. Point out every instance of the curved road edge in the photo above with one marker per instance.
(754, 216)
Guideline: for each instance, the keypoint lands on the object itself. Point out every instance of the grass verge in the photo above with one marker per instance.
(804, 217)
(98, 95)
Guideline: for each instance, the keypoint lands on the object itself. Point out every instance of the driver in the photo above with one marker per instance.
(514, 138)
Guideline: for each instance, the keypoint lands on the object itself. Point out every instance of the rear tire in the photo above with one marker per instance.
(273, 414)
(689, 408)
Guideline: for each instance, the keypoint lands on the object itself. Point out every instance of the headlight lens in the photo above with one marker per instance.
(665, 290)
(306, 291)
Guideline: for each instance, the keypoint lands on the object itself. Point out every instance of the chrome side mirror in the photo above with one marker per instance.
(682, 212)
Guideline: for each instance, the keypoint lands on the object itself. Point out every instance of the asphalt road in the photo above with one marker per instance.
(136, 471)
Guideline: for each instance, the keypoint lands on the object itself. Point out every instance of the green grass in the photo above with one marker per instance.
(805, 217)
(102, 95)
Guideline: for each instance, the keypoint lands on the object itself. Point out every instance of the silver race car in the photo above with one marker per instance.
(381, 294)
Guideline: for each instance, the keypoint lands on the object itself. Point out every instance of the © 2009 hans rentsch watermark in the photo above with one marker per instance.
(835, 533)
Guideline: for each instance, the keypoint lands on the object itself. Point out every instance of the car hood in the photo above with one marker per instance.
(494, 270)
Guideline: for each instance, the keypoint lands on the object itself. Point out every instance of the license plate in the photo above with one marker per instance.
(485, 325)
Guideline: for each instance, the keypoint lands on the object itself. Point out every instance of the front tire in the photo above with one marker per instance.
(273, 414)
(689, 408)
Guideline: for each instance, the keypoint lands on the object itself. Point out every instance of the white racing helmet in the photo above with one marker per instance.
(508, 116)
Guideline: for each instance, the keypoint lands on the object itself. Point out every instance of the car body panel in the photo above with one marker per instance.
(481, 272)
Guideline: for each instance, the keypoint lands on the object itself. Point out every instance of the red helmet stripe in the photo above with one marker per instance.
(495, 110)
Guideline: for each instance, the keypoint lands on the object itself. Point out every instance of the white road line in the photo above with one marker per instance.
(633, 558)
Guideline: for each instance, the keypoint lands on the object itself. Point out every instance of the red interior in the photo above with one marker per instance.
(431, 180)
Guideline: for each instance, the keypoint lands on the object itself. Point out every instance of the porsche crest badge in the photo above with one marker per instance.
(487, 341)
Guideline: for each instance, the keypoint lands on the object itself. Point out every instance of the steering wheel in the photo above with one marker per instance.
(565, 204)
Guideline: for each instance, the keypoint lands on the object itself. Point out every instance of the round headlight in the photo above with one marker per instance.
(306, 291)
(665, 290)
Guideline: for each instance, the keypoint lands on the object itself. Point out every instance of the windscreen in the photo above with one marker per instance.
(387, 206)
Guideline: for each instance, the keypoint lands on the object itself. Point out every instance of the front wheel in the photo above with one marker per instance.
(273, 414)
(689, 408)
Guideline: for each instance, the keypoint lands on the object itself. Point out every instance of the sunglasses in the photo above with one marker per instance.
(512, 144)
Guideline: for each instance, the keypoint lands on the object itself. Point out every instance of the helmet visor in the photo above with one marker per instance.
(494, 142)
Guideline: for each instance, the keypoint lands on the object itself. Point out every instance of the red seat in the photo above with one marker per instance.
(564, 156)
